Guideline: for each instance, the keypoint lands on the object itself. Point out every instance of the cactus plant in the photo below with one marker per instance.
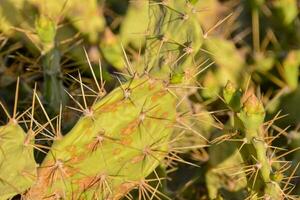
(163, 128)
(118, 142)
(137, 141)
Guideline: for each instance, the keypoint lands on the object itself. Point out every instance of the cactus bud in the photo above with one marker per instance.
(252, 114)
(46, 31)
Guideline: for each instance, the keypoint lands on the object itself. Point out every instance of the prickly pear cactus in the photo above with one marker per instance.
(132, 30)
(112, 149)
(175, 39)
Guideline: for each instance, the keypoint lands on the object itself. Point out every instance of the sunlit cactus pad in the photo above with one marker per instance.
(116, 144)
(17, 164)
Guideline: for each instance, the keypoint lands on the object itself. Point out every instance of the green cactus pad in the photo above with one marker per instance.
(108, 152)
(17, 164)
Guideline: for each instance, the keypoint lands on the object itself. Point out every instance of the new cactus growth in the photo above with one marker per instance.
(252, 116)
(261, 169)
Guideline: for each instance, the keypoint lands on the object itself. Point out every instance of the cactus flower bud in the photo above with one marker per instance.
(252, 114)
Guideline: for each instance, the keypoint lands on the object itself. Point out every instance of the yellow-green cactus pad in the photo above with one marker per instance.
(17, 164)
(114, 147)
